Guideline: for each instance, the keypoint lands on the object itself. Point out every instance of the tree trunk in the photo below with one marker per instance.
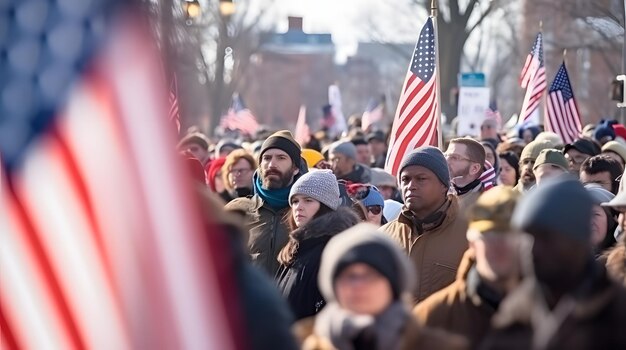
(218, 88)
(452, 37)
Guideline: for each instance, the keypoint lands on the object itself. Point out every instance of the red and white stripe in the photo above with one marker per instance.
(101, 247)
(174, 113)
(416, 122)
(242, 120)
(488, 177)
(562, 117)
(302, 132)
(534, 92)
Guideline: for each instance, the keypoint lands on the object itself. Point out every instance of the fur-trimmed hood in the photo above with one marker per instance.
(327, 225)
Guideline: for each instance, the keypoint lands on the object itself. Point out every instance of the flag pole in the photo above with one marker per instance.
(433, 15)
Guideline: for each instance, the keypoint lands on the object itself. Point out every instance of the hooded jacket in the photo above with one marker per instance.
(360, 174)
(435, 248)
(591, 317)
(298, 280)
(458, 308)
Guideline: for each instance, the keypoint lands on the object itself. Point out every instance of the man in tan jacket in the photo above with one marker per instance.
(430, 229)
(490, 268)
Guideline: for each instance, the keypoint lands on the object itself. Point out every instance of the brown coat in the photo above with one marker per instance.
(594, 319)
(415, 337)
(436, 253)
(616, 263)
(457, 309)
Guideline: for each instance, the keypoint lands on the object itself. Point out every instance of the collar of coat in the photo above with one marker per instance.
(441, 217)
(527, 305)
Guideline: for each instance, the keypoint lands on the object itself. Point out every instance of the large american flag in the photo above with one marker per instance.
(416, 122)
(533, 79)
(239, 117)
(562, 115)
(101, 246)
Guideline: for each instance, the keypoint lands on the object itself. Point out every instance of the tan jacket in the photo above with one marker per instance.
(457, 309)
(437, 252)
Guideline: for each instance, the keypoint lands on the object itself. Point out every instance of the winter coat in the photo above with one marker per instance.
(458, 308)
(595, 318)
(298, 280)
(468, 199)
(616, 263)
(268, 232)
(414, 337)
(436, 249)
(360, 174)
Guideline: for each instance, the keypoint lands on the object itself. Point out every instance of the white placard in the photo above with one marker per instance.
(473, 104)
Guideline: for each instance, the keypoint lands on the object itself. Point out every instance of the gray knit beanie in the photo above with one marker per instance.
(346, 148)
(430, 158)
(320, 185)
(561, 205)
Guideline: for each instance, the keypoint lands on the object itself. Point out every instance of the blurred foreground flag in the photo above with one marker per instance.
(101, 246)
(417, 116)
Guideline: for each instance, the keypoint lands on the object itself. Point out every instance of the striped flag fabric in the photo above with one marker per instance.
(488, 177)
(101, 246)
(174, 113)
(334, 100)
(416, 122)
(239, 117)
(302, 132)
(562, 115)
(533, 79)
(373, 113)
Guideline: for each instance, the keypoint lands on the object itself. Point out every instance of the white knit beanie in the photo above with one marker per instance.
(320, 185)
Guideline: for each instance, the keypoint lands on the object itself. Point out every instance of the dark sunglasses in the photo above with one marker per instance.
(374, 209)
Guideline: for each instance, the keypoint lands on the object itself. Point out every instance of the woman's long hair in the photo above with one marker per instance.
(287, 254)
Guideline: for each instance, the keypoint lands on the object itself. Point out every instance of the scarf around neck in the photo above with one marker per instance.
(276, 198)
(346, 330)
(467, 188)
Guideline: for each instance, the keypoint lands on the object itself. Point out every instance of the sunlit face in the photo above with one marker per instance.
(602, 178)
(575, 160)
(497, 255)
(363, 154)
(198, 152)
(527, 176)
(507, 174)
(547, 171)
(421, 189)
(240, 174)
(341, 164)
(277, 170)
(458, 161)
(303, 209)
(599, 225)
(377, 147)
(363, 290)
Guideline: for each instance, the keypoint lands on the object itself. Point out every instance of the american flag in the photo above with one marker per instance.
(562, 115)
(174, 113)
(488, 177)
(302, 132)
(239, 117)
(533, 79)
(101, 246)
(493, 113)
(373, 113)
(416, 122)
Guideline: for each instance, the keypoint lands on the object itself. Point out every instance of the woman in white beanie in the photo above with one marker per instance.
(314, 218)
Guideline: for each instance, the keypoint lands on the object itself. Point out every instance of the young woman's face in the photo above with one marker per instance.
(507, 174)
(303, 209)
(363, 290)
(598, 225)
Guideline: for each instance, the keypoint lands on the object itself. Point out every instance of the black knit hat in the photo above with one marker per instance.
(283, 140)
(583, 146)
(377, 257)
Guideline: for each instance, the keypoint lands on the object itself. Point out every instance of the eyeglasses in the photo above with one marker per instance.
(457, 157)
(374, 209)
(575, 160)
(237, 172)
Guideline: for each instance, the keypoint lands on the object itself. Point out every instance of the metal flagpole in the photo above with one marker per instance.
(433, 15)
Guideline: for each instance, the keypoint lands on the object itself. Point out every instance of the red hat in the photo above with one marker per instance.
(620, 130)
(195, 169)
(214, 167)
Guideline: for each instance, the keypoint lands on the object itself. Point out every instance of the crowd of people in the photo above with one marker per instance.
(504, 241)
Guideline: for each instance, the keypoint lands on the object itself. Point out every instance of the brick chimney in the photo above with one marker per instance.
(295, 23)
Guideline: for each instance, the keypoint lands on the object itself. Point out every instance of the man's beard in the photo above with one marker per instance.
(460, 173)
(274, 183)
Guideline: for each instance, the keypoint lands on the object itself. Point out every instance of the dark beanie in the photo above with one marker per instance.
(430, 158)
(377, 257)
(583, 146)
(604, 129)
(562, 205)
(283, 140)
